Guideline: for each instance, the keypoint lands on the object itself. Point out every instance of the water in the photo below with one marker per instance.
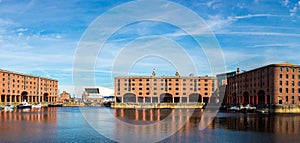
(67, 124)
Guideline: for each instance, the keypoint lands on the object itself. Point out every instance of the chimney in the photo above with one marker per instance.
(238, 70)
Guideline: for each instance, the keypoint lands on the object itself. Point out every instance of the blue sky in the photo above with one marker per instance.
(40, 37)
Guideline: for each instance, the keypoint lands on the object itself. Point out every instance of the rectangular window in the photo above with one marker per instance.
(293, 76)
(286, 98)
(281, 69)
(286, 90)
(287, 76)
(287, 69)
(298, 99)
(293, 84)
(280, 75)
(280, 82)
(293, 90)
(286, 83)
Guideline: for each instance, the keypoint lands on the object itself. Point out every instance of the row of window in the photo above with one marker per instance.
(162, 84)
(287, 69)
(287, 90)
(287, 76)
(287, 83)
(154, 93)
(163, 88)
(205, 80)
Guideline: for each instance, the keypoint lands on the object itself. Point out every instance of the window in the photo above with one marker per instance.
(293, 84)
(205, 88)
(286, 83)
(154, 88)
(280, 82)
(183, 84)
(147, 88)
(154, 84)
(298, 83)
(280, 75)
(183, 88)
(293, 90)
(287, 76)
(293, 76)
(170, 88)
(140, 84)
(298, 76)
(177, 89)
(298, 98)
(147, 83)
(280, 90)
(281, 69)
(286, 90)
(293, 70)
(140, 93)
(287, 69)
(140, 80)
(140, 88)
(286, 98)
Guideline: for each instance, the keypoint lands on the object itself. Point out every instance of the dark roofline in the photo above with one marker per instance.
(6, 71)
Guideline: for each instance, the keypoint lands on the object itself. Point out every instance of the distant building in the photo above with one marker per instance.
(65, 97)
(159, 89)
(96, 94)
(17, 87)
(271, 84)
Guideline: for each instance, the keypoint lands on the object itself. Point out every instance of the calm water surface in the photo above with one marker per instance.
(67, 124)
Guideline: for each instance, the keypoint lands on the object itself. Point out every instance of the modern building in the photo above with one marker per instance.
(159, 89)
(277, 84)
(96, 94)
(17, 87)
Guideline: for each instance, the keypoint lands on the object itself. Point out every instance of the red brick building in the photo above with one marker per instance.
(159, 89)
(17, 87)
(272, 84)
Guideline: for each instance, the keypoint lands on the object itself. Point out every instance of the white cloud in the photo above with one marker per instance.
(285, 3)
(22, 29)
(58, 36)
(257, 15)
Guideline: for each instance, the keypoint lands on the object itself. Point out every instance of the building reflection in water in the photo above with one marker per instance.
(26, 123)
(276, 124)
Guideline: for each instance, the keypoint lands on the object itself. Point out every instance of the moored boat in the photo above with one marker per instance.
(24, 105)
(9, 107)
(37, 106)
(55, 105)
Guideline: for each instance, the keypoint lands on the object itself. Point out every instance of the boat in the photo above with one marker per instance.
(263, 111)
(248, 108)
(234, 108)
(9, 107)
(55, 105)
(24, 105)
(37, 106)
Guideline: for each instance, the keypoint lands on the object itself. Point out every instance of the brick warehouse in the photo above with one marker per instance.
(164, 89)
(277, 84)
(17, 87)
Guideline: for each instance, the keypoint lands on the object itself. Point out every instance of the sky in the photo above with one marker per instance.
(50, 38)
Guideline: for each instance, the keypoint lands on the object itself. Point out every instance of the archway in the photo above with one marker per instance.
(195, 97)
(246, 97)
(46, 97)
(166, 98)
(129, 97)
(234, 101)
(24, 95)
(261, 97)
